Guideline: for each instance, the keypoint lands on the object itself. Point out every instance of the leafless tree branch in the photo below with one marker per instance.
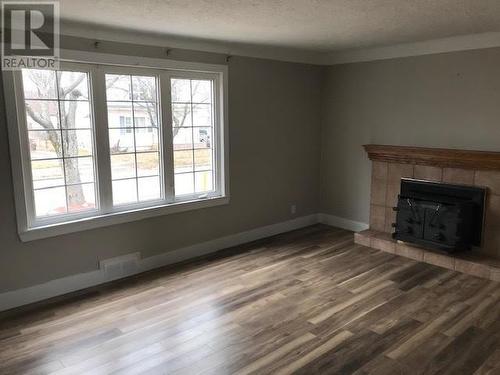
(43, 122)
(71, 87)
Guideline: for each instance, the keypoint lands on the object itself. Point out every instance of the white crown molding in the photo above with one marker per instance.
(304, 56)
(451, 44)
(210, 46)
(434, 46)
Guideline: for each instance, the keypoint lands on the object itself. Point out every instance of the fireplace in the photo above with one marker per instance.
(441, 216)
(441, 197)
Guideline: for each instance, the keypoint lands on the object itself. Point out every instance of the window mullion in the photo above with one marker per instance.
(221, 141)
(102, 139)
(167, 136)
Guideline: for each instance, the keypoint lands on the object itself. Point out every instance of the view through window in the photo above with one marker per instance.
(156, 151)
(192, 130)
(132, 103)
(61, 145)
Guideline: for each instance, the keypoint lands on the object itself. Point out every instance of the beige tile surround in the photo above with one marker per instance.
(385, 187)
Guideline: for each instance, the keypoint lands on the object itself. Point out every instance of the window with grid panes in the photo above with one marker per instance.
(163, 146)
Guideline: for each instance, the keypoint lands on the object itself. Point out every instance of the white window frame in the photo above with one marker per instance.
(97, 65)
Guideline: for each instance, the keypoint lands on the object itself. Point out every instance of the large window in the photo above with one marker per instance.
(96, 140)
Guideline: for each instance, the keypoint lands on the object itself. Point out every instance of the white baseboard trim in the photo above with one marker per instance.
(340, 222)
(57, 287)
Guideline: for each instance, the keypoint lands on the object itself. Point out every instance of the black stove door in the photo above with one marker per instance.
(409, 220)
(441, 224)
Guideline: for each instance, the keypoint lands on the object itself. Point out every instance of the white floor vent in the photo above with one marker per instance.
(120, 266)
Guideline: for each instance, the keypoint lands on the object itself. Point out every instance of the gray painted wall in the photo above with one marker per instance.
(313, 119)
(447, 100)
(274, 125)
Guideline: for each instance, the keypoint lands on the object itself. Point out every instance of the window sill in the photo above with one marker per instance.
(53, 230)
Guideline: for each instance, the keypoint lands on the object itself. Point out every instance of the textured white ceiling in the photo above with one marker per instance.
(315, 25)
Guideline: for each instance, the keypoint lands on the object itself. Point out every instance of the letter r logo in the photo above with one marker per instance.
(29, 28)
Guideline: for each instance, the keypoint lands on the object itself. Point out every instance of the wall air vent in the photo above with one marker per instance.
(117, 267)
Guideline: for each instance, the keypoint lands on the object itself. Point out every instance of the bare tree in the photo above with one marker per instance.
(71, 93)
(44, 84)
(179, 119)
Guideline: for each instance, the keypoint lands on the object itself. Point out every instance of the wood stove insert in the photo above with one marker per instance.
(440, 216)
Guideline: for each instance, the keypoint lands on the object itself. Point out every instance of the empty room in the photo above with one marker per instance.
(250, 187)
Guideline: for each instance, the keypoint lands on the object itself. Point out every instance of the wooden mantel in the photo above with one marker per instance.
(438, 157)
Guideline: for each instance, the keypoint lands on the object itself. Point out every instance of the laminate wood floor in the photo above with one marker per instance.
(306, 302)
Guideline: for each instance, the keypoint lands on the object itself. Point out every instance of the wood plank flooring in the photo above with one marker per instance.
(304, 302)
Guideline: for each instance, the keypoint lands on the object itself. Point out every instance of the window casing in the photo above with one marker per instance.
(131, 157)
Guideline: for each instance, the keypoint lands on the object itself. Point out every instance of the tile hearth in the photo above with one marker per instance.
(472, 263)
